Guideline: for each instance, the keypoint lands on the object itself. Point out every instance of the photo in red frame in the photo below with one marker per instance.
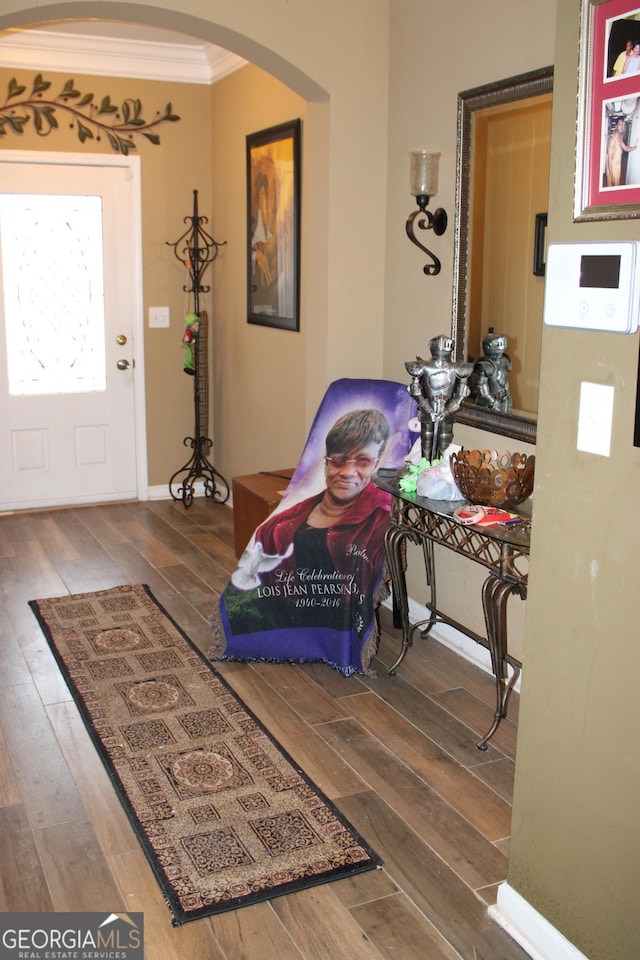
(607, 183)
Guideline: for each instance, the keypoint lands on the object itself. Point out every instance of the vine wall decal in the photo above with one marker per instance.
(91, 119)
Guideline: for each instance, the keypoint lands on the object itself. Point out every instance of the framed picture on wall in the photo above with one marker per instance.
(273, 226)
(607, 183)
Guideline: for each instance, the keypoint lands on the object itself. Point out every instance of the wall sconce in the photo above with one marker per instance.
(423, 184)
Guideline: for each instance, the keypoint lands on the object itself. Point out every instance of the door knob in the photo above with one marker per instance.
(121, 339)
(122, 364)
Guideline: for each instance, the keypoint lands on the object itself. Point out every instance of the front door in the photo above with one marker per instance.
(68, 285)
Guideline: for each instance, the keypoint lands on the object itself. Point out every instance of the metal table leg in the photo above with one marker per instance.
(495, 594)
(501, 555)
(393, 540)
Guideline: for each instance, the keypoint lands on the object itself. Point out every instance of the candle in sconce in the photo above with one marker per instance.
(423, 173)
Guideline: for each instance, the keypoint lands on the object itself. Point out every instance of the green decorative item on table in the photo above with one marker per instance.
(408, 483)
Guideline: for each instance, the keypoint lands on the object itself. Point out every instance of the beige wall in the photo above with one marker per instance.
(436, 51)
(258, 370)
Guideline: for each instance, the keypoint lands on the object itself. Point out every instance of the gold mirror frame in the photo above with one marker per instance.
(520, 87)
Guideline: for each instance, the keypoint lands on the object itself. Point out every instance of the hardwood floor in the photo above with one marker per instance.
(396, 754)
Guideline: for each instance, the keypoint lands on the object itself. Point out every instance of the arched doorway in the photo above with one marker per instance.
(344, 172)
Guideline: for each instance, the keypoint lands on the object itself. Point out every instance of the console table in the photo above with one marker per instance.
(502, 550)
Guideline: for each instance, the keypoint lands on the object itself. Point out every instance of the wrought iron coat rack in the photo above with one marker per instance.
(196, 249)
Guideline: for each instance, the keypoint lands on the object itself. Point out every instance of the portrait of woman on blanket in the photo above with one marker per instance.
(309, 580)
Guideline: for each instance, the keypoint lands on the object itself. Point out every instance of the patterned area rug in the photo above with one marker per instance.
(224, 815)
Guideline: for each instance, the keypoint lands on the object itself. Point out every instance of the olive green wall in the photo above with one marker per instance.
(576, 829)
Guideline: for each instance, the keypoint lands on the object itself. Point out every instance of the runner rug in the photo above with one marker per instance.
(224, 815)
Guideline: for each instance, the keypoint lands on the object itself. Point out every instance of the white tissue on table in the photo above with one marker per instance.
(437, 483)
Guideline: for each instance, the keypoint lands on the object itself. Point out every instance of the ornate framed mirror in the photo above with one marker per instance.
(502, 170)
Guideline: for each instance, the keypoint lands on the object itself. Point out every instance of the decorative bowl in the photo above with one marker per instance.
(493, 479)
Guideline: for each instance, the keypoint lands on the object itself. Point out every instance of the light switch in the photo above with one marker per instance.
(159, 317)
(595, 418)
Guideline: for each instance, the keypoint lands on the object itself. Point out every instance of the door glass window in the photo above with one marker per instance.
(52, 276)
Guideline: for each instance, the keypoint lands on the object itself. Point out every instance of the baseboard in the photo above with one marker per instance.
(530, 929)
(454, 639)
(161, 492)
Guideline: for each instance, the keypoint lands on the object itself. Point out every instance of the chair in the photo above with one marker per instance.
(312, 575)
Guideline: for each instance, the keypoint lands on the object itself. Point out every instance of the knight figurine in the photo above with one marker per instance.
(492, 374)
(439, 386)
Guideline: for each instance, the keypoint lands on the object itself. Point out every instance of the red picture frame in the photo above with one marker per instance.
(607, 183)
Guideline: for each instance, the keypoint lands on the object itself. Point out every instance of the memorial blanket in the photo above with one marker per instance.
(307, 590)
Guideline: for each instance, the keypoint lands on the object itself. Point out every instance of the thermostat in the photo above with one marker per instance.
(593, 286)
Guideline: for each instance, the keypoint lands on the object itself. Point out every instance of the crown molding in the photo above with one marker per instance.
(49, 50)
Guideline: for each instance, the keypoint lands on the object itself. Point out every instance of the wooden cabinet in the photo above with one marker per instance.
(255, 496)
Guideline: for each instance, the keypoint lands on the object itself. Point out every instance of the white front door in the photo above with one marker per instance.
(71, 422)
